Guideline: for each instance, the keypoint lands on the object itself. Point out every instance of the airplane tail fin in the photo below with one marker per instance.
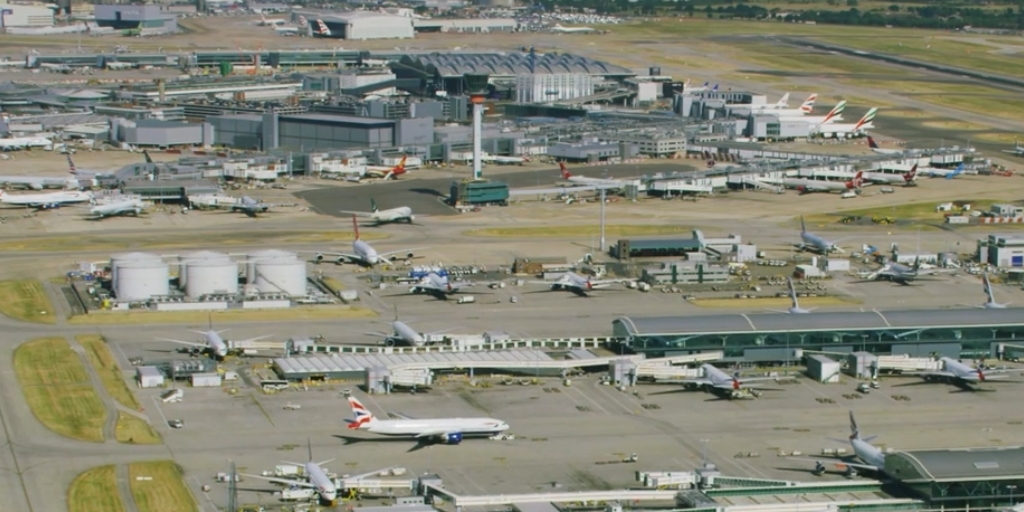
(908, 177)
(988, 288)
(836, 110)
(149, 159)
(870, 116)
(363, 415)
(959, 169)
(715, 88)
(565, 172)
(373, 205)
(303, 21)
(71, 164)
(803, 227)
(355, 227)
(792, 293)
(858, 180)
(854, 431)
(808, 105)
(871, 143)
(783, 101)
(309, 448)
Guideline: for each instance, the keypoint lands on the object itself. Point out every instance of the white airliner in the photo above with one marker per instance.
(362, 253)
(272, 22)
(16, 143)
(593, 182)
(571, 30)
(961, 375)
(120, 207)
(875, 148)
(46, 201)
(316, 479)
(780, 109)
(842, 130)
(38, 183)
(833, 115)
(399, 214)
(722, 384)
(906, 178)
(1017, 150)
(575, 283)
(439, 430)
(807, 186)
(871, 458)
(503, 160)
(816, 243)
(794, 308)
(388, 173)
(212, 343)
(437, 286)
(991, 303)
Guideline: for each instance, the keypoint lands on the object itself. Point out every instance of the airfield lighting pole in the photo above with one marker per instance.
(603, 248)
(476, 87)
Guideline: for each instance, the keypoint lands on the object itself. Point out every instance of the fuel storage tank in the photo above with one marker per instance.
(273, 271)
(211, 277)
(118, 260)
(196, 256)
(141, 279)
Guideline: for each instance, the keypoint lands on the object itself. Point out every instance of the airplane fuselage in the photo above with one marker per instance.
(323, 484)
(465, 426)
(217, 344)
(407, 334)
(365, 252)
(817, 243)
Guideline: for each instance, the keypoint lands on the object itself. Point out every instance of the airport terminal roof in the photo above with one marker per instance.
(832, 321)
(964, 464)
(302, 366)
(457, 64)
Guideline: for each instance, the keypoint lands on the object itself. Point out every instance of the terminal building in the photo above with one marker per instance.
(1002, 250)
(961, 478)
(973, 333)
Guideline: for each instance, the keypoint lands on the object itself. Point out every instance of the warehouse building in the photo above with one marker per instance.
(1002, 251)
(154, 133)
(360, 25)
(588, 151)
(319, 131)
(146, 18)
(771, 127)
(970, 333)
(656, 145)
(963, 479)
(25, 16)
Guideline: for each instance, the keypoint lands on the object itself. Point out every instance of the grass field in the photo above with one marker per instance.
(95, 490)
(57, 389)
(88, 243)
(778, 303)
(580, 231)
(133, 430)
(103, 361)
(202, 317)
(962, 126)
(162, 490)
(938, 50)
(1006, 138)
(908, 211)
(26, 300)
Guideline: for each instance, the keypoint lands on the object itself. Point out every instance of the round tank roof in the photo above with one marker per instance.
(204, 255)
(142, 264)
(136, 256)
(213, 262)
(272, 253)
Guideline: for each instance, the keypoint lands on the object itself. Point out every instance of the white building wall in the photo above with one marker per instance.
(553, 87)
(379, 27)
(27, 16)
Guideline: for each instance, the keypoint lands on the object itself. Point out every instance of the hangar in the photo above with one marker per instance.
(362, 24)
(970, 332)
(961, 478)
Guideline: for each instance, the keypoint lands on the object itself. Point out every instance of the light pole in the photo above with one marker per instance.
(603, 248)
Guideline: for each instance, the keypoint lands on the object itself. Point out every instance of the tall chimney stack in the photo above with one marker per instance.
(476, 87)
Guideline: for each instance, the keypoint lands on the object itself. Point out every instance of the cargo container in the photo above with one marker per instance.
(206, 380)
(482, 192)
(466, 299)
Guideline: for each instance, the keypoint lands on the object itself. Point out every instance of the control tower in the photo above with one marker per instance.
(476, 87)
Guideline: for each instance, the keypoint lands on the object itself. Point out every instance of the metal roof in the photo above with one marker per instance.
(457, 64)
(833, 321)
(338, 119)
(338, 363)
(966, 464)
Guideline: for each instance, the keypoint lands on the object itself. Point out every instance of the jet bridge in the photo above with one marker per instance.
(556, 497)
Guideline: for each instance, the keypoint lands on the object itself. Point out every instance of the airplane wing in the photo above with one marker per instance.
(841, 464)
(348, 256)
(194, 344)
(935, 373)
(282, 481)
(253, 339)
(433, 433)
(357, 214)
(404, 251)
(400, 415)
(549, 191)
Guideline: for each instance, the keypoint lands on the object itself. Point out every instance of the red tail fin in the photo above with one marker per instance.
(565, 172)
(908, 177)
(355, 227)
(871, 143)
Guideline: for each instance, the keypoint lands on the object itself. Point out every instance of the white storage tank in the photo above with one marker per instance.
(213, 276)
(196, 256)
(139, 280)
(281, 277)
(267, 255)
(120, 259)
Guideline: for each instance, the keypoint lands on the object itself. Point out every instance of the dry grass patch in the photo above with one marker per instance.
(26, 300)
(95, 490)
(202, 317)
(133, 430)
(103, 361)
(57, 389)
(159, 486)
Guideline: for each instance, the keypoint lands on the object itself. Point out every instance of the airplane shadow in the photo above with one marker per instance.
(354, 440)
(427, 192)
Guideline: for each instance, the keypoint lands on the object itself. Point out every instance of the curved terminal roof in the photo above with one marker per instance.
(457, 64)
(957, 464)
(812, 322)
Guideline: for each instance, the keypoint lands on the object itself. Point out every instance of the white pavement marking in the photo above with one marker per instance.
(159, 410)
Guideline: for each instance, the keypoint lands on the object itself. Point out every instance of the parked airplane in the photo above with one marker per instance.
(46, 201)
(251, 207)
(399, 214)
(16, 143)
(388, 173)
(594, 182)
(92, 174)
(795, 304)
(212, 344)
(503, 160)
(315, 478)
(121, 207)
(807, 186)
(814, 242)
(881, 151)
(1017, 150)
(843, 130)
(287, 31)
(571, 30)
(906, 178)
(871, 458)
(362, 253)
(437, 286)
(944, 173)
(38, 183)
(425, 431)
(402, 334)
(780, 109)
(722, 384)
(833, 115)
(272, 22)
(961, 375)
(991, 303)
(575, 283)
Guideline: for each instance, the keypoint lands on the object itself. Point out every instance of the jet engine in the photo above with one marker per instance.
(411, 218)
(318, 258)
(452, 438)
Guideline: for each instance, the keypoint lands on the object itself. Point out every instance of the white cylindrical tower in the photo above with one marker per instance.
(119, 260)
(196, 256)
(266, 255)
(210, 277)
(288, 277)
(141, 279)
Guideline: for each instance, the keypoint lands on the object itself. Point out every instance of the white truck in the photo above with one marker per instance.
(174, 395)
(466, 299)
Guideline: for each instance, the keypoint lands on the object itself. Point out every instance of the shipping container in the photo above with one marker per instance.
(481, 192)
